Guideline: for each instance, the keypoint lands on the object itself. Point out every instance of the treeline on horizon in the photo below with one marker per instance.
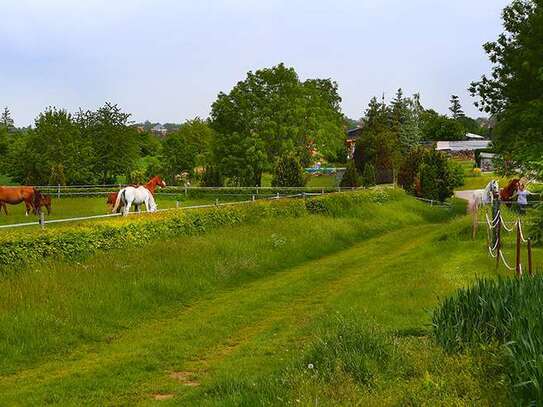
(268, 115)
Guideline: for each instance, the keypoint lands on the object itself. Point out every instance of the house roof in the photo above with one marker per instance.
(463, 145)
(354, 134)
(487, 155)
(472, 136)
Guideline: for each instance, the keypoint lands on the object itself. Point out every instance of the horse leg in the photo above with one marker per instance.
(127, 206)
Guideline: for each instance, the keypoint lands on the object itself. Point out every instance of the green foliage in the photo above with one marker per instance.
(73, 243)
(456, 108)
(437, 127)
(288, 172)
(272, 113)
(505, 311)
(436, 180)
(351, 178)
(535, 230)
(455, 174)
(115, 145)
(6, 119)
(187, 148)
(368, 176)
(212, 177)
(409, 170)
(513, 93)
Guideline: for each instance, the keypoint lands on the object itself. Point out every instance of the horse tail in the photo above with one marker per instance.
(37, 201)
(117, 201)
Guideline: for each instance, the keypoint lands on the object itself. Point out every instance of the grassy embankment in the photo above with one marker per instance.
(327, 309)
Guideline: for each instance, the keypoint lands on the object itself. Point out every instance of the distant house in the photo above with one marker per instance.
(486, 161)
(159, 130)
(352, 136)
(462, 145)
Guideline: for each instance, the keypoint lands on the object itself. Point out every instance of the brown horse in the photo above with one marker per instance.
(150, 185)
(506, 193)
(15, 195)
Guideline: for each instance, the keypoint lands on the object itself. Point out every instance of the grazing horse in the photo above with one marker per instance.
(137, 196)
(45, 201)
(506, 194)
(15, 195)
(150, 185)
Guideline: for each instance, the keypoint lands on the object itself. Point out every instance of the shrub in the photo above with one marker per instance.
(436, 180)
(351, 177)
(456, 174)
(288, 172)
(507, 312)
(212, 177)
(368, 176)
(409, 169)
(79, 241)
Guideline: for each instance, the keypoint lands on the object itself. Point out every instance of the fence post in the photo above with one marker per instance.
(177, 204)
(530, 271)
(475, 220)
(58, 191)
(498, 228)
(216, 201)
(277, 196)
(253, 197)
(322, 191)
(42, 220)
(517, 263)
(257, 189)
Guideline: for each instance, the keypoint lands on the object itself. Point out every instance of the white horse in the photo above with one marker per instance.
(137, 196)
(484, 196)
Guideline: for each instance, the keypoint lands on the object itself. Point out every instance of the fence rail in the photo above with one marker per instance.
(42, 222)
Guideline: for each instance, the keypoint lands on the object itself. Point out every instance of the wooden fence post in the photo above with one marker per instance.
(42, 220)
(517, 262)
(58, 191)
(498, 242)
(530, 270)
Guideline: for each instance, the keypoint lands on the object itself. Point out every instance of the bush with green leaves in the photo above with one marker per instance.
(351, 178)
(409, 169)
(368, 176)
(212, 177)
(79, 241)
(506, 312)
(288, 172)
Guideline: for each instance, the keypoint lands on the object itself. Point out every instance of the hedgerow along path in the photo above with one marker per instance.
(141, 338)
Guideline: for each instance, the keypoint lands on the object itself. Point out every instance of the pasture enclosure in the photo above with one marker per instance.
(72, 241)
(236, 315)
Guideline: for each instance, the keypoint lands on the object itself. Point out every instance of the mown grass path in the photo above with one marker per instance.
(252, 330)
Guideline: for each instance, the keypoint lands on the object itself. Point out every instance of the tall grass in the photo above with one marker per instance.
(507, 312)
(50, 307)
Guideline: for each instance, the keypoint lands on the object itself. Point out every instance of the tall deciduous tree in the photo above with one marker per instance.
(513, 93)
(272, 113)
(115, 143)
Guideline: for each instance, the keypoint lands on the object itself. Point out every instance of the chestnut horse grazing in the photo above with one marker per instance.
(15, 195)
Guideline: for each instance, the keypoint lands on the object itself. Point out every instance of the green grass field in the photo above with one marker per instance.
(315, 310)
(70, 207)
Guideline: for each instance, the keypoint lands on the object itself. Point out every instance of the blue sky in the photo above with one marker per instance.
(166, 60)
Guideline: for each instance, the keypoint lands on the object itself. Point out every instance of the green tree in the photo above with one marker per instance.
(513, 93)
(188, 147)
(368, 176)
(409, 169)
(351, 178)
(288, 172)
(114, 142)
(53, 152)
(438, 127)
(456, 108)
(273, 113)
(436, 180)
(6, 120)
